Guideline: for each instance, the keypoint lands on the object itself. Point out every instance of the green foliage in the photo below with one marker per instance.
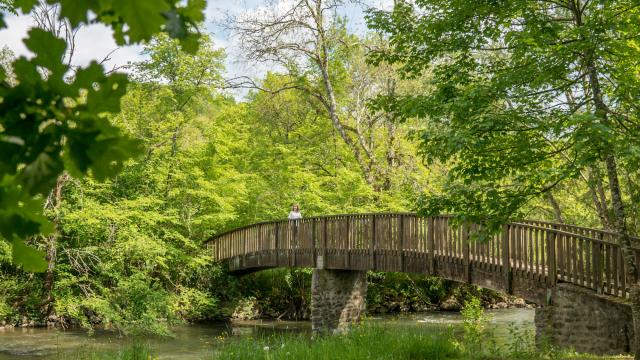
(522, 343)
(146, 303)
(400, 292)
(133, 21)
(51, 122)
(474, 324)
(129, 250)
(278, 293)
(193, 304)
(512, 111)
(48, 125)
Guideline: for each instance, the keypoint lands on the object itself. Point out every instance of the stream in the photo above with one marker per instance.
(200, 341)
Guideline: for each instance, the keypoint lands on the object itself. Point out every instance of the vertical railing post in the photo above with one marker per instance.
(372, 248)
(313, 241)
(245, 243)
(347, 243)
(506, 263)
(597, 266)
(552, 270)
(466, 252)
(401, 241)
(431, 244)
(277, 237)
(324, 242)
(293, 232)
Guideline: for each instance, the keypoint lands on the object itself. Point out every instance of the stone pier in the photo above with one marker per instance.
(338, 298)
(588, 322)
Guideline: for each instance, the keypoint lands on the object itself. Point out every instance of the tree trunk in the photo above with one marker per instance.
(53, 203)
(619, 220)
(624, 239)
(322, 59)
(557, 212)
(599, 198)
(619, 215)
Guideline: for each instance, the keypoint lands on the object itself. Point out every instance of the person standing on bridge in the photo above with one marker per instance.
(295, 214)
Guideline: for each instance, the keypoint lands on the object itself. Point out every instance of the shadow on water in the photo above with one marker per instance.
(198, 341)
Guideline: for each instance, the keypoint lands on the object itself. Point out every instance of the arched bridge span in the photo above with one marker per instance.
(526, 259)
(577, 274)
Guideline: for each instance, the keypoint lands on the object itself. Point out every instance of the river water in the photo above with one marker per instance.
(200, 341)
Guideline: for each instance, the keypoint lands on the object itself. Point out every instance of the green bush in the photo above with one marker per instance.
(374, 342)
(279, 293)
(401, 292)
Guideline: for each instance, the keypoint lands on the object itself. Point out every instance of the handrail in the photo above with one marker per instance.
(318, 217)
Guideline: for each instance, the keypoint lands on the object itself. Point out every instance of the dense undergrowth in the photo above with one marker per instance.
(285, 294)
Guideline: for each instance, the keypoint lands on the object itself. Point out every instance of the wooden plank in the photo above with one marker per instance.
(495, 251)
(313, 243)
(431, 244)
(614, 270)
(347, 253)
(607, 269)
(552, 277)
(563, 256)
(597, 267)
(571, 266)
(372, 248)
(520, 251)
(539, 255)
(401, 242)
(531, 271)
(466, 252)
(588, 264)
(623, 276)
(506, 262)
(580, 255)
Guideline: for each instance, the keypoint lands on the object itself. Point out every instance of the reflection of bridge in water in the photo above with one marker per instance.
(530, 259)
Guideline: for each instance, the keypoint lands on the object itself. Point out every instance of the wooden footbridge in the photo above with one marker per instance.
(577, 274)
(526, 259)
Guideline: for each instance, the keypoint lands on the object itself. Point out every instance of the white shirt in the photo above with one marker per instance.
(295, 215)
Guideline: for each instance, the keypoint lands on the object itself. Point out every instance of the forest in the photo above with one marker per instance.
(112, 181)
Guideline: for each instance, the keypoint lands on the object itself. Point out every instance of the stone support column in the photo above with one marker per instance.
(579, 318)
(338, 298)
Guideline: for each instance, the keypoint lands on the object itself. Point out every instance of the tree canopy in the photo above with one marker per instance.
(54, 117)
(527, 96)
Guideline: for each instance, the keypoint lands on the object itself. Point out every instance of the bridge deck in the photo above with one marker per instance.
(537, 254)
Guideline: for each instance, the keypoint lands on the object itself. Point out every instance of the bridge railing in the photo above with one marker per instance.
(527, 252)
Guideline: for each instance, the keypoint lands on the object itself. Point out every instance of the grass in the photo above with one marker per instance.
(388, 342)
(371, 341)
(135, 351)
(366, 342)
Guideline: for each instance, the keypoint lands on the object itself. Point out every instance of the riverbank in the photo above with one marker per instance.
(370, 341)
(391, 334)
(282, 294)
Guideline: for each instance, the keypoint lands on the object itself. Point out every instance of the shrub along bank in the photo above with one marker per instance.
(285, 294)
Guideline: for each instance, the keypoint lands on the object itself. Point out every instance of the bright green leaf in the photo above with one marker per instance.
(144, 18)
(49, 50)
(25, 5)
(31, 260)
